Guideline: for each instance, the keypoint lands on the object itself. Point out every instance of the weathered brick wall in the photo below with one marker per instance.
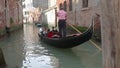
(10, 15)
(2, 14)
(83, 15)
(20, 13)
(13, 12)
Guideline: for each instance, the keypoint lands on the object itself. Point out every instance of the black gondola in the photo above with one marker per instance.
(69, 41)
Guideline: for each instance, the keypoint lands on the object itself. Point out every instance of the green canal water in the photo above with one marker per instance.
(23, 49)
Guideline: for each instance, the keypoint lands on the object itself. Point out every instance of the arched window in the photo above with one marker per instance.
(65, 5)
(60, 5)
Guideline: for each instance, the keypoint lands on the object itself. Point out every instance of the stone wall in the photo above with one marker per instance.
(111, 33)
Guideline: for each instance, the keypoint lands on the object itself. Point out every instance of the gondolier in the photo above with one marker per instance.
(62, 15)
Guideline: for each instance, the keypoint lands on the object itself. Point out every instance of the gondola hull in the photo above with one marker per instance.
(70, 41)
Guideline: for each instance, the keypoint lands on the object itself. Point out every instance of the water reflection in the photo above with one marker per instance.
(38, 62)
(23, 49)
(35, 54)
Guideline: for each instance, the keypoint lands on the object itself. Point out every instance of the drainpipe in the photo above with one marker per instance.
(75, 13)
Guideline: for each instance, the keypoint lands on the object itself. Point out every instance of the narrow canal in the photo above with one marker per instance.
(23, 49)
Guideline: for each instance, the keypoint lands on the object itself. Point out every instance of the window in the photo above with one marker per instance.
(60, 5)
(85, 3)
(5, 3)
(24, 6)
(26, 12)
(70, 5)
(65, 5)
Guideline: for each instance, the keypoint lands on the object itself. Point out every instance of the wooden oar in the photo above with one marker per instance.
(75, 28)
(100, 49)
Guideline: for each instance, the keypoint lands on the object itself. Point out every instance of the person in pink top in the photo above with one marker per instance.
(62, 15)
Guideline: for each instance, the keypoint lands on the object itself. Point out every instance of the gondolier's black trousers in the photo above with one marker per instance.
(62, 27)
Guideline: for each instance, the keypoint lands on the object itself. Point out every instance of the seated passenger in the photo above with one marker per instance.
(49, 33)
(42, 31)
(53, 34)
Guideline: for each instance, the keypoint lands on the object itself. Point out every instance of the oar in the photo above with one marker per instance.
(100, 49)
(75, 28)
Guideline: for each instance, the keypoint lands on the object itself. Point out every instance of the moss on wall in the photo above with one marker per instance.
(16, 27)
(2, 32)
(11, 20)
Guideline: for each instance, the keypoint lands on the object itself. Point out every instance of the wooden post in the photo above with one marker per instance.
(111, 33)
(2, 60)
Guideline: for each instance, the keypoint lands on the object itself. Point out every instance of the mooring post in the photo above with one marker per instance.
(2, 60)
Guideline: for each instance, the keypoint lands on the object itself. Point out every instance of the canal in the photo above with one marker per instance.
(23, 49)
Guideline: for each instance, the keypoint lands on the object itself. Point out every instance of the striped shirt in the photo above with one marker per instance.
(62, 14)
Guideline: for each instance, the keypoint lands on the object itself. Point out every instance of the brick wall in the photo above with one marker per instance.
(11, 15)
(2, 14)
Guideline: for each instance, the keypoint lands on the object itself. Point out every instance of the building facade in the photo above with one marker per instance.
(41, 4)
(32, 10)
(47, 11)
(27, 7)
(10, 15)
(2, 14)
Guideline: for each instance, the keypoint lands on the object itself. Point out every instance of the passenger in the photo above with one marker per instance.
(49, 33)
(42, 31)
(55, 32)
(53, 29)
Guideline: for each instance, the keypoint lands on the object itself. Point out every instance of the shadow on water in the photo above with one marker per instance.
(66, 57)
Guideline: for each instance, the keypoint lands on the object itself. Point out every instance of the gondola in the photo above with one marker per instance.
(69, 41)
